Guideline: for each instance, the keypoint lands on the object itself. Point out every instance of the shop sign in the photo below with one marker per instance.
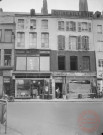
(73, 74)
(6, 80)
(7, 73)
(70, 13)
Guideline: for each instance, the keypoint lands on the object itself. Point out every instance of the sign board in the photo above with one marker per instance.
(69, 13)
(73, 74)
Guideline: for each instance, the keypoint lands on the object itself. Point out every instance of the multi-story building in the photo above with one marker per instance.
(98, 43)
(53, 51)
(7, 30)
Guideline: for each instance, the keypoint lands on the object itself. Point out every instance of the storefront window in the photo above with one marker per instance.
(23, 88)
(46, 66)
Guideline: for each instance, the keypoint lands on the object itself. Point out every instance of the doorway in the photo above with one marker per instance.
(58, 85)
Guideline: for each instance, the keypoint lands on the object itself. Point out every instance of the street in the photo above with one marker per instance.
(51, 118)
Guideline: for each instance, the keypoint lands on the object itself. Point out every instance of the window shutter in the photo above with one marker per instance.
(89, 27)
(79, 43)
(79, 26)
(63, 40)
(83, 42)
(74, 26)
(67, 26)
(87, 43)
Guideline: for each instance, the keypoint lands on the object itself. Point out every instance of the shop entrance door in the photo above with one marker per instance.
(58, 86)
(7, 88)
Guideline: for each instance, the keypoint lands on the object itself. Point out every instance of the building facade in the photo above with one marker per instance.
(43, 52)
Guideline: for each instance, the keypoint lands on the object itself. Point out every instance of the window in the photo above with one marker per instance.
(61, 25)
(32, 40)
(7, 57)
(99, 29)
(45, 24)
(32, 24)
(0, 57)
(99, 46)
(73, 63)
(21, 63)
(44, 40)
(86, 63)
(72, 42)
(61, 62)
(20, 39)
(100, 63)
(84, 26)
(21, 23)
(46, 66)
(8, 35)
(70, 26)
(61, 42)
(0, 35)
(83, 43)
(33, 63)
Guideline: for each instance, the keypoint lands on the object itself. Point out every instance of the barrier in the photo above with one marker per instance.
(3, 114)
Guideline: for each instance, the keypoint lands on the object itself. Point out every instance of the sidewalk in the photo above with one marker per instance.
(60, 100)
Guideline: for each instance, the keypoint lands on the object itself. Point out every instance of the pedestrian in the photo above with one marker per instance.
(57, 92)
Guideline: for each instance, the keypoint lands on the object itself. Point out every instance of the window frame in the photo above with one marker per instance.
(61, 64)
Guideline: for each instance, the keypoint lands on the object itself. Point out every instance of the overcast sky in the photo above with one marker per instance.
(26, 5)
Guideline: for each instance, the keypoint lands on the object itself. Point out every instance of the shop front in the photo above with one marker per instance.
(74, 84)
(33, 86)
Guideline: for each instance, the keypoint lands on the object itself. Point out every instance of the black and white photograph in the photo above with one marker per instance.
(51, 67)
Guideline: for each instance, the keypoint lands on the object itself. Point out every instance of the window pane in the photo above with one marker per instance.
(45, 40)
(33, 63)
(8, 35)
(20, 39)
(0, 35)
(46, 66)
(99, 28)
(44, 24)
(61, 62)
(33, 24)
(7, 57)
(20, 23)
(61, 42)
(61, 25)
(86, 63)
(73, 43)
(21, 63)
(73, 63)
(32, 40)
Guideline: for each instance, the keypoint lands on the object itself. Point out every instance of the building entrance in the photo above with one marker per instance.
(58, 90)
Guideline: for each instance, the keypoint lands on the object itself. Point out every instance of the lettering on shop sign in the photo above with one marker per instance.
(67, 13)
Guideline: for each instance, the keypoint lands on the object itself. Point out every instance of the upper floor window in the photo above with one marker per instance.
(44, 24)
(83, 43)
(21, 23)
(61, 62)
(61, 42)
(86, 63)
(99, 46)
(100, 63)
(33, 40)
(99, 29)
(84, 26)
(60, 25)
(32, 24)
(7, 57)
(70, 26)
(45, 40)
(20, 39)
(0, 35)
(73, 63)
(72, 42)
(8, 35)
(0, 57)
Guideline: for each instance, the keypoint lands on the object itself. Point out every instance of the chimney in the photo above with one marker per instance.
(83, 5)
(32, 12)
(44, 9)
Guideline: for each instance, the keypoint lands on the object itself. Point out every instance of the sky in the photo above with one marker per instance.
(26, 5)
